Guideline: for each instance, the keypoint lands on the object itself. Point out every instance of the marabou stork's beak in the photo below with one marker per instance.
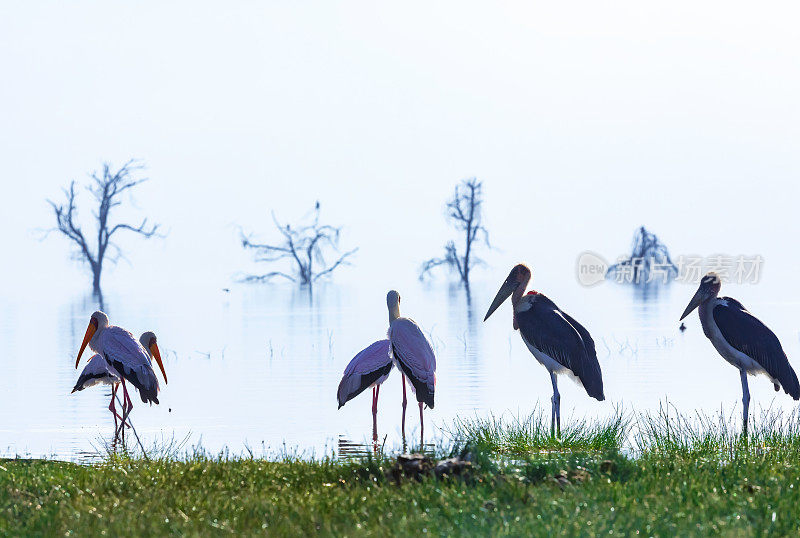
(90, 330)
(157, 354)
(505, 292)
(698, 298)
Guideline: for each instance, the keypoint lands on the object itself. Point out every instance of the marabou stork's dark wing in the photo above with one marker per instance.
(748, 334)
(563, 339)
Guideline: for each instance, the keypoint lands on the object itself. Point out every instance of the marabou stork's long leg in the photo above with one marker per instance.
(745, 401)
(555, 418)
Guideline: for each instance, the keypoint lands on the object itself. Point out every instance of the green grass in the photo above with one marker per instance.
(522, 436)
(655, 474)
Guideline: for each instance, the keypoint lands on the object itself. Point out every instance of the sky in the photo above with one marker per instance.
(584, 120)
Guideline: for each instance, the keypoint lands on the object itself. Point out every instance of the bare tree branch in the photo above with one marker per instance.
(464, 210)
(304, 245)
(266, 277)
(141, 229)
(342, 260)
(106, 189)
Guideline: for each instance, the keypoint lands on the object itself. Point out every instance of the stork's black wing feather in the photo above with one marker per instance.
(561, 337)
(591, 368)
(748, 334)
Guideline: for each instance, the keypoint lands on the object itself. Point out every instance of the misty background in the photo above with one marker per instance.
(583, 121)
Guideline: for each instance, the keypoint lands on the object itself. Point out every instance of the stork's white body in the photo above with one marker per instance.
(414, 357)
(121, 347)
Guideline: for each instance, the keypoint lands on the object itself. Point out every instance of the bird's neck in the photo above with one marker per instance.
(703, 312)
(394, 313)
(519, 292)
(515, 298)
(94, 343)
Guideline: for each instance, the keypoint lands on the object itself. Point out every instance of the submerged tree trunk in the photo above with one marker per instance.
(106, 188)
(96, 272)
(464, 210)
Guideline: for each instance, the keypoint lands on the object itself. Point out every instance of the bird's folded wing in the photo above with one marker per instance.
(366, 368)
(413, 350)
(121, 348)
(369, 359)
(564, 340)
(747, 334)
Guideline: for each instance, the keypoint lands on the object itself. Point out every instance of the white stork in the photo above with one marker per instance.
(126, 356)
(413, 356)
(742, 340)
(369, 368)
(557, 341)
(98, 372)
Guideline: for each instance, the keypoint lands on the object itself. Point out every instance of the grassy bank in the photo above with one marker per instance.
(677, 477)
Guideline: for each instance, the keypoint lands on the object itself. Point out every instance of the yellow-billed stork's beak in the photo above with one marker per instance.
(154, 351)
(505, 292)
(90, 330)
(698, 298)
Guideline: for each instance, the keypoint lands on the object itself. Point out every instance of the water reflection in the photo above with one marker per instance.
(352, 450)
(463, 333)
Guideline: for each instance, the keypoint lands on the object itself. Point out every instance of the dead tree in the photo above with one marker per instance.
(465, 212)
(648, 263)
(106, 188)
(305, 246)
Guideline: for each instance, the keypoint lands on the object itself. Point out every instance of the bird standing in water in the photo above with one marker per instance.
(369, 368)
(557, 341)
(127, 357)
(414, 357)
(742, 340)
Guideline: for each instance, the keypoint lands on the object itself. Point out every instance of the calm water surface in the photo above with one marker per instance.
(257, 367)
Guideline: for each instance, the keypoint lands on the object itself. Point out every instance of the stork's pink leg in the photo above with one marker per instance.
(121, 429)
(113, 408)
(403, 422)
(113, 405)
(421, 429)
(127, 406)
(130, 405)
(129, 409)
(375, 416)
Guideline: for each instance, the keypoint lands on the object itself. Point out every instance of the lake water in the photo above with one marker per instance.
(257, 367)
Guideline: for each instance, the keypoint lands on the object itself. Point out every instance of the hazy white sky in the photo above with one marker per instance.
(584, 119)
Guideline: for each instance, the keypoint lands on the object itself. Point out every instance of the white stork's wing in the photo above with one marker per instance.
(128, 357)
(96, 371)
(370, 366)
(414, 356)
